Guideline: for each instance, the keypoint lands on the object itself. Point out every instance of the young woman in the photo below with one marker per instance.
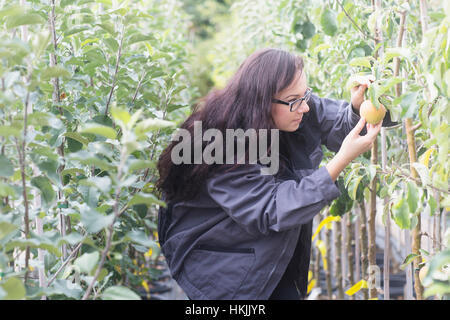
(231, 231)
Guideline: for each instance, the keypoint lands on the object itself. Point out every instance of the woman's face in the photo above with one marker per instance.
(284, 119)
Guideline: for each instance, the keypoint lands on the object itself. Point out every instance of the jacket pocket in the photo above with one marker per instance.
(218, 272)
(223, 249)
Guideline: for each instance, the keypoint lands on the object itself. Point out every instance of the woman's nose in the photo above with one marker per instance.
(303, 108)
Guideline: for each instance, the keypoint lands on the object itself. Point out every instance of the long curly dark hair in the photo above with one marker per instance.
(245, 102)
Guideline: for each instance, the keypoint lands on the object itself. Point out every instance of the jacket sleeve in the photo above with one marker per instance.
(337, 118)
(260, 204)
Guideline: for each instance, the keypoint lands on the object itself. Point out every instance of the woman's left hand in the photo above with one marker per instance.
(357, 91)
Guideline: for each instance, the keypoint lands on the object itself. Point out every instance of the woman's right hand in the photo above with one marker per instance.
(354, 144)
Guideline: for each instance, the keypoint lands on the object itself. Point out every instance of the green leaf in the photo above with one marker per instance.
(121, 115)
(64, 287)
(432, 204)
(308, 30)
(173, 107)
(328, 22)
(55, 72)
(49, 241)
(94, 221)
(353, 187)
(72, 171)
(78, 137)
(24, 19)
(408, 260)
(141, 164)
(88, 158)
(50, 167)
(76, 30)
(6, 167)
(437, 288)
(108, 27)
(99, 129)
(391, 53)
(7, 131)
(14, 289)
(90, 195)
(372, 171)
(101, 183)
(6, 228)
(151, 125)
(6, 190)
(73, 145)
(48, 195)
(148, 199)
(135, 38)
(423, 172)
(73, 238)
(412, 197)
(401, 214)
(141, 238)
(87, 261)
(385, 85)
(408, 103)
(44, 119)
(13, 10)
(361, 62)
(435, 273)
(119, 293)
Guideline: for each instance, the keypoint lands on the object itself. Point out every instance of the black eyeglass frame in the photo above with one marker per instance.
(306, 97)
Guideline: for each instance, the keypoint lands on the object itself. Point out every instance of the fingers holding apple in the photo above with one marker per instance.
(358, 86)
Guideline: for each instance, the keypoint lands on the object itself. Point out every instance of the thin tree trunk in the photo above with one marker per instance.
(416, 234)
(423, 16)
(373, 183)
(437, 217)
(344, 253)
(357, 229)
(350, 256)
(116, 70)
(387, 227)
(363, 246)
(110, 228)
(57, 99)
(316, 269)
(328, 271)
(372, 217)
(338, 265)
(387, 244)
(21, 150)
(408, 270)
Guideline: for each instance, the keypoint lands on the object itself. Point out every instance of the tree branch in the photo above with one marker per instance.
(65, 263)
(354, 23)
(113, 85)
(110, 228)
(407, 176)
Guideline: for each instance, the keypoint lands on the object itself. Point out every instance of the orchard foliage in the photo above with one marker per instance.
(80, 137)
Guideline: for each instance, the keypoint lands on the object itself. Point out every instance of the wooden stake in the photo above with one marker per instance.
(350, 256)
(338, 253)
(363, 247)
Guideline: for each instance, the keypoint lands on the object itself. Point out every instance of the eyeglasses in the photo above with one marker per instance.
(295, 104)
